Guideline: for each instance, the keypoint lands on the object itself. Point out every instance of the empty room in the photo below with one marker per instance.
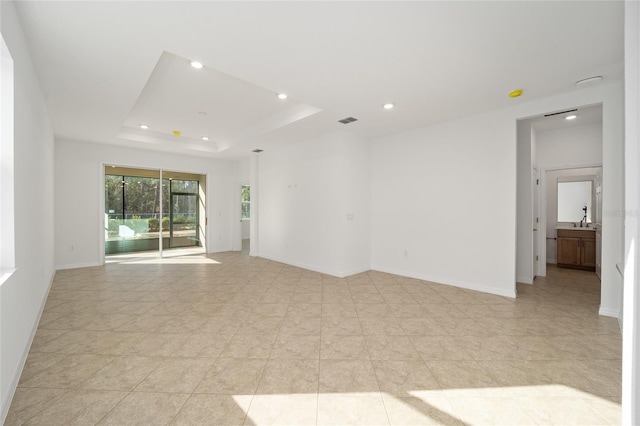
(314, 213)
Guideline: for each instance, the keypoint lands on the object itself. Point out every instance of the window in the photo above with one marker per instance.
(245, 201)
(7, 242)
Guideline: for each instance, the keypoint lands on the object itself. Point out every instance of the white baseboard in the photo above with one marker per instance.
(6, 402)
(524, 280)
(608, 312)
(77, 265)
(315, 268)
(448, 281)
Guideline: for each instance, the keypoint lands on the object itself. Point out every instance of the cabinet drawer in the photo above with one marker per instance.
(570, 233)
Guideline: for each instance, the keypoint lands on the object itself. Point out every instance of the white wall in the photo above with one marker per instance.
(444, 203)
(23, 294)
(460, 178)
(574, 146)
(526, 147)
(78, 196)
(314, 204)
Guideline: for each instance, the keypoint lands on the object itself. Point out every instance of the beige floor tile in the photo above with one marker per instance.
(286, 376)
(249, 345)
(37, 362)
(123, 373)
(460, 375)
(301, 325)
(381, 326)
(68, 372)
(78, 407)
(273, 330)
(343, 347)
(338, 309)
(352, 409)
(106, 322)
(296, 347)
(158, 344)
(28, 402)
(145, 323)
(391, 348)
(422, 326)
(347, 376)
(182, 324)
(440, 348)
(375, 310)
(208, 345)
(403, 377)
(176, 375)
(304, 310)
(339, 326)
(259, 324)
(283, 409)
(141, 408)
(220, 324)
(232, 377)
(201, 409)
(43, 337)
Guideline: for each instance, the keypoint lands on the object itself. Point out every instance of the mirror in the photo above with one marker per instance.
(575, 199)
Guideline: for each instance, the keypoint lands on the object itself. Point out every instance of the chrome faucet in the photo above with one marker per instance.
(584, 218)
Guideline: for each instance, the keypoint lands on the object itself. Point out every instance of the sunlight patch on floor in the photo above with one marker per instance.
(541, 404)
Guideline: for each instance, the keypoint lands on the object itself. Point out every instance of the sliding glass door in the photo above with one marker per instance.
(138, 210)
(183, 214)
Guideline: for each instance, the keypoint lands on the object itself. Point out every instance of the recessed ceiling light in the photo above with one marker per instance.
(282, 96)
(197, 65)
(144, 126)
(571, 117)
(515, 93)
(205, 138)
(388, 106)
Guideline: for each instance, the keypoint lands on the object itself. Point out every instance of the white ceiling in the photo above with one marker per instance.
(105, 67)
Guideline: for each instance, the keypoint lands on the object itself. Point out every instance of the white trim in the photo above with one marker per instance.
(160, 170)
(447, 281)
(608, 312)
(78, 265)
(524, 280)
(326, 271)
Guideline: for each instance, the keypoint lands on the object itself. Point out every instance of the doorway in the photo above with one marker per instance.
(565, 139)
(245, 217)
(148, 210)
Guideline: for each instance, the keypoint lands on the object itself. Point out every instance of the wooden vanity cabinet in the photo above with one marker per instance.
(577, 249)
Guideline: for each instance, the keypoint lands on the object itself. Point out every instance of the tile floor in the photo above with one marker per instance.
(229, 340)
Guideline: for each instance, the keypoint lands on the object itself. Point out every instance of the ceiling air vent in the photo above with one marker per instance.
(347, 120)
(257, 151)
(561, 112)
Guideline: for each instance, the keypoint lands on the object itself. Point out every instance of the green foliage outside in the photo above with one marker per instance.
(245, 198)
(135, 203)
